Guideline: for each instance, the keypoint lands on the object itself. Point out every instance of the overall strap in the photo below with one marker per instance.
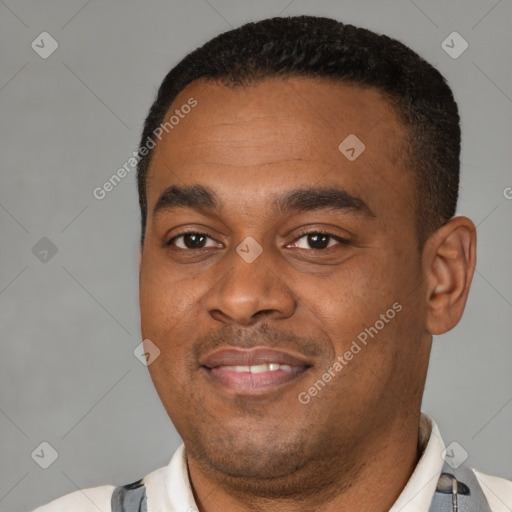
(458, 490)
(130, 498)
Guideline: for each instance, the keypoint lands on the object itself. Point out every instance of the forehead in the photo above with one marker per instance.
(259, 137)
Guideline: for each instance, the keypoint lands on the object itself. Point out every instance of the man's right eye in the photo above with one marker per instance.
(190, 240)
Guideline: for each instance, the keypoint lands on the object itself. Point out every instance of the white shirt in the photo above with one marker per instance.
(168, 488)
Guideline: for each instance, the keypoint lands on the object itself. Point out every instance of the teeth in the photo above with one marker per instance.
(259, 368)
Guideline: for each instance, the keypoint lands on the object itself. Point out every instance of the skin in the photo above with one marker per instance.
(354, 445)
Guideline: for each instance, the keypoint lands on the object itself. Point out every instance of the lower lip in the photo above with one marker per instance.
(253, 383)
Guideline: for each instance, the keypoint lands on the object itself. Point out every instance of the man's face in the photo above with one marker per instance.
(262, 151)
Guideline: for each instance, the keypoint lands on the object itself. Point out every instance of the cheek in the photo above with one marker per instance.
(165, 321)
(163, 299)
(169, 309)
(359, 304)
(154, 299)
(349, 298)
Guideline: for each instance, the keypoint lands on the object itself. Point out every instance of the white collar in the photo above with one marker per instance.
(168, 488)
(417, 494)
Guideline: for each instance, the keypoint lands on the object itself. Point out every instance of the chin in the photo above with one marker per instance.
(251, 457)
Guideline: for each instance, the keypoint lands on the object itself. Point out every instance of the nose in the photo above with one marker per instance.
(250, 291)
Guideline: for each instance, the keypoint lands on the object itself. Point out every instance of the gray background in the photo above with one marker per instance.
(70, 324)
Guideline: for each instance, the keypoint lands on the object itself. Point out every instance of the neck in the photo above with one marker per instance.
(370, 479)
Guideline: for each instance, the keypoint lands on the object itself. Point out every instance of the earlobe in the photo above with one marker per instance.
(449, 265)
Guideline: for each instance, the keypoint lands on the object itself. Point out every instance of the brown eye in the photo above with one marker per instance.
(190, 240)
(318, 241)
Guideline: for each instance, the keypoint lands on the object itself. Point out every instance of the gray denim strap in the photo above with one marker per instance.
(458, 490)
(130, 498)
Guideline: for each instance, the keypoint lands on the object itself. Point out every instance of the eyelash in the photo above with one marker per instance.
(342, 241)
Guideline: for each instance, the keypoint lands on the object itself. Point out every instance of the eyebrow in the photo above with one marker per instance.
(299, 200)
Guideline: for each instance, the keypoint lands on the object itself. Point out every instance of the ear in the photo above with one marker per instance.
(449, 259)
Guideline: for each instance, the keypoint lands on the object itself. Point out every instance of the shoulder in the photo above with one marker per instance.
(94, 499)
(498, 491)
(99, 499)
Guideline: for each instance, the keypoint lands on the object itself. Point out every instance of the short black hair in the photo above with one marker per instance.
(318, 47)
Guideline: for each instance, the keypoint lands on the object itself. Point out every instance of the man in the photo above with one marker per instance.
(298, 181)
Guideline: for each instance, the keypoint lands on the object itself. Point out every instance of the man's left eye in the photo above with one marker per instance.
(319, 240)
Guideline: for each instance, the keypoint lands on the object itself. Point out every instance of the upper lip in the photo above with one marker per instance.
(250, 357)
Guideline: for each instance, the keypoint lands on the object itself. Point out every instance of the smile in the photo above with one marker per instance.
(255, 371)
(259, 368)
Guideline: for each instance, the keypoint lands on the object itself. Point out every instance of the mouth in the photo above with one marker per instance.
(253, 372)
